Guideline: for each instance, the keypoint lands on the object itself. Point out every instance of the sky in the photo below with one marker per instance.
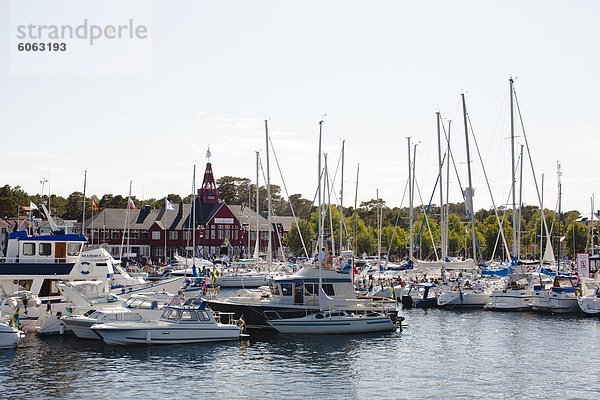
(376, 72)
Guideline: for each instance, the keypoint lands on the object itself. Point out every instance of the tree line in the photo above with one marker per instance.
(359, 229)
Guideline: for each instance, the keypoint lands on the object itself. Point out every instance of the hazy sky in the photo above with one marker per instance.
(379, 70)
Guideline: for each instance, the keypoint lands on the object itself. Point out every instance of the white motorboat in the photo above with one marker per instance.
(590, 304)
(332, 321)
(9, 335)
(517, 293)
(560, 298)
(464, 297)
(191, 323)
(142, 307)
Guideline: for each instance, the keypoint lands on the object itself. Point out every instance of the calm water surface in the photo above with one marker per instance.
(442, 354)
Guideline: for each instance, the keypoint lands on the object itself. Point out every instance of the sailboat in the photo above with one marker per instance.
(466, 294)
(330, 318)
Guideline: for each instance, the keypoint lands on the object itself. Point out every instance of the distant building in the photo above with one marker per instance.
(151, 233)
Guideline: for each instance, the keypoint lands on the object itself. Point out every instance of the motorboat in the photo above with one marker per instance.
(560, 298)
(143, 307)
(332, 322)
(190, 323)
(81, 296)
(590, 303)
(293, 296)
(464, 296)
(37, 263)
(419, 295)
(517, 293)
(9, 335)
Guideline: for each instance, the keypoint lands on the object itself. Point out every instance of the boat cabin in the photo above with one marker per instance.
(44, 249)
(303, 288)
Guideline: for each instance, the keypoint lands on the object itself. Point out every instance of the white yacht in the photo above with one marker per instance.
(178, 325)
(292, 295)
(143, 307)
(37, 263)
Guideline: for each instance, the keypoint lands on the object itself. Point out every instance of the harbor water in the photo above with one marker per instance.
(441, 354)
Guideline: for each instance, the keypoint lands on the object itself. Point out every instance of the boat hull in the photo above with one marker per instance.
(157, 336)
(454, 299)
(550, 302)
(590, 304)
(9, 337)
(333, 326)
(510, 300)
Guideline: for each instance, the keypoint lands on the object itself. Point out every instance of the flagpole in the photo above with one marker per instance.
(92, 224)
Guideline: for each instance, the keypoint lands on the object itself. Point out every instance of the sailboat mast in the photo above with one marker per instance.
(270, 245)
(469, 190)
(446, 227)
(126, 226)
(355, 215)
(592, 225)
(442, 230)
(559, 174)
(328, 191)
(518, 253)
(542, 222)
(410, 207)
(257, 243)
(83, 216)
(342, 201)
(319, 214)
(513, 181)
(194, 219)
(378, 209)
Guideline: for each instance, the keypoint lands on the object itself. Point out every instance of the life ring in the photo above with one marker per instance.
(85, 267)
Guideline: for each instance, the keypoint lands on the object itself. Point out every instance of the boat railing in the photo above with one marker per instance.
(33, 260)
(225, 318)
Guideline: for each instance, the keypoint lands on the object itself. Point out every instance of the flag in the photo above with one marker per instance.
(14, 321)
(95, 204)
(208, 153)
(393, 296)
(169, 205)
(32, 206)
(242, 323)
(132, 204)
(215, 275)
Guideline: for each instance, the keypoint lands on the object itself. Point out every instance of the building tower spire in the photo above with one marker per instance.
(208, 191)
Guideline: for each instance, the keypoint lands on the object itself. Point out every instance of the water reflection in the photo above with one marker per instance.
(441, 354)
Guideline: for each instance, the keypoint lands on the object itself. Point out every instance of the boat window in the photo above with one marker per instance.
(336, 314)
(49, 288)
(173, 315)
(203, 316)
(189, 316)
(25, 284)
(110, 317)
(132, 317)
(319, 316)
(309, 288)
(73, 249)
(45, 249)
(29, 249)
(328, 289)
(274, 289)
(133, 303)
(95, 315)
(286, 289)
